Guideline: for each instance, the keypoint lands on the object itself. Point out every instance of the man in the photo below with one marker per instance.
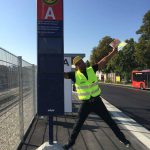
(89, 92)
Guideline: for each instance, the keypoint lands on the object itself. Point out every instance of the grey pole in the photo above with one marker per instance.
(21, 116)
(33, 89)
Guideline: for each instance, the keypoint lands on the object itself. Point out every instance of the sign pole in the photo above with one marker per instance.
(50, 130)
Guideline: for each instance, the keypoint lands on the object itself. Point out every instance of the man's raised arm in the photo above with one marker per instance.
(103, 61)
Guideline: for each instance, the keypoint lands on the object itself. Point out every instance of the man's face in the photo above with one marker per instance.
(81, 65)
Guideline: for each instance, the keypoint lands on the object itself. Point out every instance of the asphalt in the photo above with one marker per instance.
(95, 133)
(133, 102)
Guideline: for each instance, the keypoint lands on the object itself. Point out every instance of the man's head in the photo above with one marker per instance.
(79, 63)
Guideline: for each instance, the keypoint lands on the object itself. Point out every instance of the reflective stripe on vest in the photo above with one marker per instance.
(87, 87)
(88, 93)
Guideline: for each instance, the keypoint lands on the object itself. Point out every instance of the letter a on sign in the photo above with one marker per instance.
(50, 14)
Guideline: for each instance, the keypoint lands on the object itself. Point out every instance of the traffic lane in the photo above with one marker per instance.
(133, 102)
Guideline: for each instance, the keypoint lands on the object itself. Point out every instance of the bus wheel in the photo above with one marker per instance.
(141, 87)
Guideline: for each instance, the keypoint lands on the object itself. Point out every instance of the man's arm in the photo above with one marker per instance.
(66, 75)
(70, 75)
(103, 61)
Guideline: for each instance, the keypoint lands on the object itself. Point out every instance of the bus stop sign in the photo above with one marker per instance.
(50, 57)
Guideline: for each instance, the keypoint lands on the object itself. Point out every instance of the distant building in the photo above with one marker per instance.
(110, 77)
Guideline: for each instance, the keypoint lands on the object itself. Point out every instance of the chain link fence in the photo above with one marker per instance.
(17, 99)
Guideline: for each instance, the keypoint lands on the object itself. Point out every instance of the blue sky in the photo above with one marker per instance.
(85, 23)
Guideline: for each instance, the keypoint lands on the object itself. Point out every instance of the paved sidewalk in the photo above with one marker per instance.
(95, 134)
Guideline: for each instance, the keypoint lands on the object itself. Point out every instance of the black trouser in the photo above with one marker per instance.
(97, 106)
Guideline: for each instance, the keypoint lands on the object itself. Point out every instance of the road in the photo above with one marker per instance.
(133, 102)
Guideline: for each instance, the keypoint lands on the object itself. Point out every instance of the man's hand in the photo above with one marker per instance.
(66, 75)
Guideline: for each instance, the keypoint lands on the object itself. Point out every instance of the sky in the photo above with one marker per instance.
(85, 24)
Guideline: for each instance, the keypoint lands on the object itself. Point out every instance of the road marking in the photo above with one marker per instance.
(141, 133)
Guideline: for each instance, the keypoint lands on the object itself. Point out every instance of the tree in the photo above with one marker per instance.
(129, 59)
(101, 50)
(145, 28)
(142, 52)
(94, 56)
(88, 63)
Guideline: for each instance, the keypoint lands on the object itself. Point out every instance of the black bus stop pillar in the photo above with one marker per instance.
(51, 130)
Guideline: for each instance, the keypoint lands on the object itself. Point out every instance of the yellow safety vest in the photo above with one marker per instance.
(87, 87)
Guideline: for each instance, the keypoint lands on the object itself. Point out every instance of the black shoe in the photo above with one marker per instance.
(67, 146)
(126, 143)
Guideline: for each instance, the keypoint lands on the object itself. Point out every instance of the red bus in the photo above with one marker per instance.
(141, 79)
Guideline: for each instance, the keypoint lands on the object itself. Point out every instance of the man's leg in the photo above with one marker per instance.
(102, 111)
(82, 115)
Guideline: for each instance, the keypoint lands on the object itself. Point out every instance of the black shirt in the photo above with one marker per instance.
(71, 74)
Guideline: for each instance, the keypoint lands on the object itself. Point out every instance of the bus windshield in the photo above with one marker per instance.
(138, 76)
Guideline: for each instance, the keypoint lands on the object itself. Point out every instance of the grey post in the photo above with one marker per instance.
(21, 116)
(34, 89)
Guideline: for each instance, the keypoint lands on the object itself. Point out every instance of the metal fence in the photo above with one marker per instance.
(17, 99)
